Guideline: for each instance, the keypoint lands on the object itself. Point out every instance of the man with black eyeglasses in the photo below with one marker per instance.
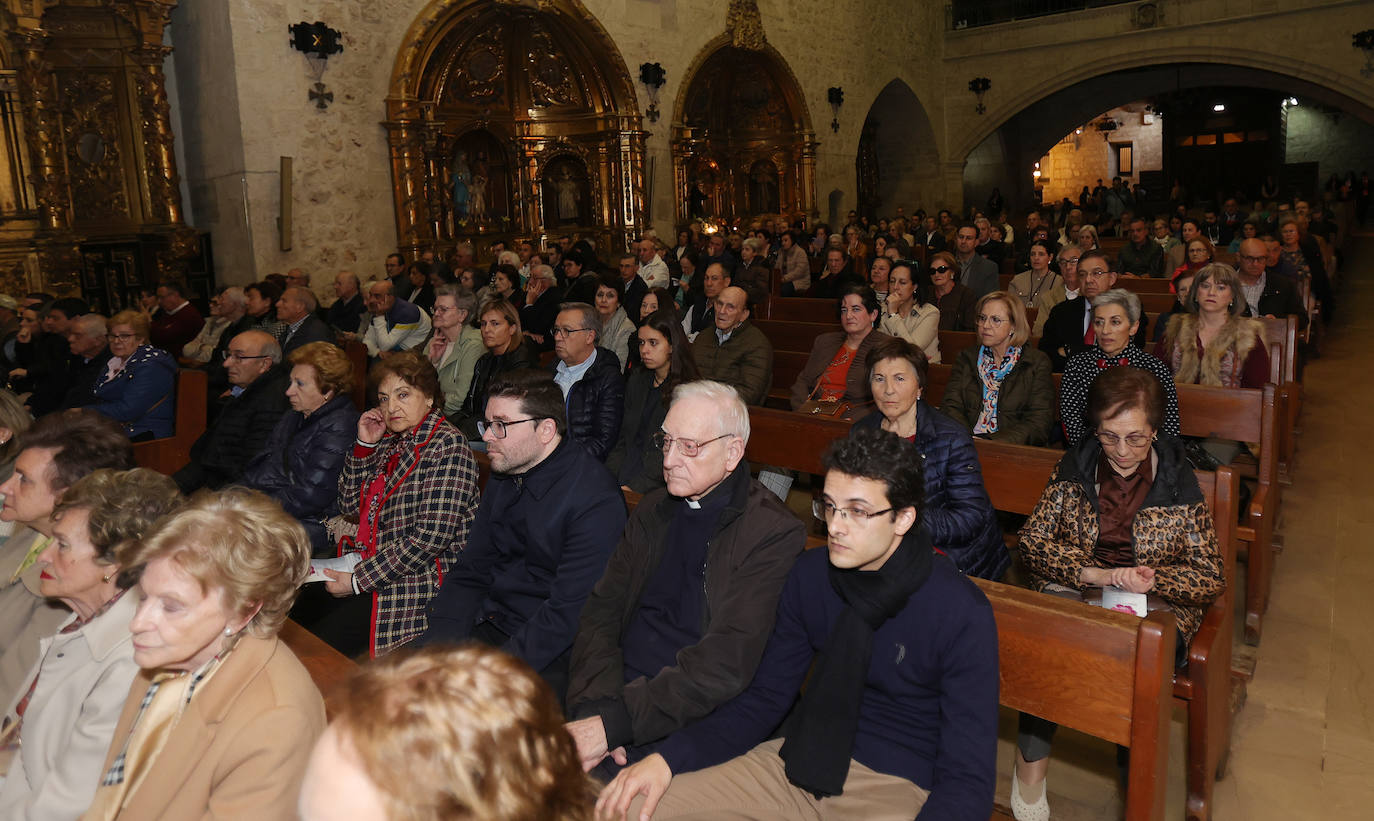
(589, 376)
(1068, 330)
(257, 400)
(898, 653)
(1266, 296)
(678, 623)
(549, 518)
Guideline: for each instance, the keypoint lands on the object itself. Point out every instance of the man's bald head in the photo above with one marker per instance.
(732, 308)
(251, 354)
(380, 297)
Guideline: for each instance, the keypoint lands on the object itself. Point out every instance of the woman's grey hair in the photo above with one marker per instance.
(235, 295)
(463, 299)
(508, 258)
(754, 244)
(1129, 302)
(725, 400)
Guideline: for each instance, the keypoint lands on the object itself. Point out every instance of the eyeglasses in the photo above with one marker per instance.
(119, 337)
(687, 447)
(559, 333)
(939, 269)
(443, 309)
(228, 355)
(1096, 273)
(994, 321)
(1068, 260)
(1135, 440)
(825, 511)
(498, 426)
(1244, 258)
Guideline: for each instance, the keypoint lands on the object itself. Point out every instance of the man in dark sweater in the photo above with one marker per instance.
(176, 322)
(550, 516)
(899, 716)
(677, 624)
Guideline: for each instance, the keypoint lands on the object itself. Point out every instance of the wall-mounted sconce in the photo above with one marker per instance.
(651, 75)
(979, 86)
(835, 96)
(316, 41)
(1364, 41)
(1106, 126)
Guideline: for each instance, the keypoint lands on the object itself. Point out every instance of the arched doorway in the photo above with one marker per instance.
(1005, 155)
(511, 121)
(743, 146)
(898, 162)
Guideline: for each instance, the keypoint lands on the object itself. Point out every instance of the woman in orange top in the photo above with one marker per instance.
(830, 373)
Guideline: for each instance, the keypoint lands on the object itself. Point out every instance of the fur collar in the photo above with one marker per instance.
(1221, 362)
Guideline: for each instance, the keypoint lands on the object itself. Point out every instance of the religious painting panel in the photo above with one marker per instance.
(566, 193)
(480, 180)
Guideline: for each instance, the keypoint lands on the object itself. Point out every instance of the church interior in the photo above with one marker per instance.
(216, 142)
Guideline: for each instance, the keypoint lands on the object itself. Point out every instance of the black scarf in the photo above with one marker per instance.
(820, 737)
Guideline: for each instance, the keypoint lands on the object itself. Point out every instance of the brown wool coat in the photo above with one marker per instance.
(241, 746)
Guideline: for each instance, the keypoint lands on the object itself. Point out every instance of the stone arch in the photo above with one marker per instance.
(1323, 82)
(547, 82)
(906, 154)
(1026, 129)
(739, 111)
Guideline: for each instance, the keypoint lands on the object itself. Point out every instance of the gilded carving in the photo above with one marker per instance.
(158, 142)
(745, 25)
(480, 72)
(90, 132)
(550, 75)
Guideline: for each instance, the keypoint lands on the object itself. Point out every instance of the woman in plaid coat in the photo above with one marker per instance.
(411, 484)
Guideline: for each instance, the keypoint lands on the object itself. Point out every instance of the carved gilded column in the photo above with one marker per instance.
(155, 119)
(408, 180)
(632, 182)
(433, 175)
(43, 126)
(806, 182)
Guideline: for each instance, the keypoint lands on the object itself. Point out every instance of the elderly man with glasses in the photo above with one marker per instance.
(677, 625)
(549, 518)
(257, 400)
(589, 376)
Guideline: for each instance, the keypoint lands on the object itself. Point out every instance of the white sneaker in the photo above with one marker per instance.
(1023, 811)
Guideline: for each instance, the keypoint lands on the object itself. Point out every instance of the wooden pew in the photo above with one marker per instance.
(1245, 415)
(357, 355)
(1100, 672)
(327, 666)
(1137, 285)
(1015, 476)
(805, 309)
(1282, 335)
(170, 454)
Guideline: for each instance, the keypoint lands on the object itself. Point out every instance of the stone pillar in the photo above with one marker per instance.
(953, 188)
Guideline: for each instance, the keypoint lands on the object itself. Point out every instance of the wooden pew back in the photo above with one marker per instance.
(327, 667)
(1102, 673)
(172, 453)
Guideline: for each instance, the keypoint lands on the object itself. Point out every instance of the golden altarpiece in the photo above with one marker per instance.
(742, 142)
(89, 193)
(513, 120)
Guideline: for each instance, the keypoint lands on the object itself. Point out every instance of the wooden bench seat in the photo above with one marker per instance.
(1016, 475)
(1102, 673)
(172, 453)
(327, 667)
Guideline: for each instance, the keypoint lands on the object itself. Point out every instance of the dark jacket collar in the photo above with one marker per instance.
(1079, 465)
(543, 477)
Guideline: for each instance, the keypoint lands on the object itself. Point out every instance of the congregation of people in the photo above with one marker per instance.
(568, 591)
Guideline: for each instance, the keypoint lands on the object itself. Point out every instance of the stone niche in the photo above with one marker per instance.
(1089, 153)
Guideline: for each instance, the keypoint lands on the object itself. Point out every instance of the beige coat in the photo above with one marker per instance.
(240, 749)
(25, 616)
(83, 679)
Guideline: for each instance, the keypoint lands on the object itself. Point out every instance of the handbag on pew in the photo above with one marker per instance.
(830, 408)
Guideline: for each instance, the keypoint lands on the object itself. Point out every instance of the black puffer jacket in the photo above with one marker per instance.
(488, 367)
(596, 404)
(221, 454)
(301, 463)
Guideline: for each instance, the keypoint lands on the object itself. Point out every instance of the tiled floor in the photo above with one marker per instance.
(1303, 743)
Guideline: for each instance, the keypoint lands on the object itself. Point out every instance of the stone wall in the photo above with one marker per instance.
(1086, 156)
(258, 110)
(1337, 142)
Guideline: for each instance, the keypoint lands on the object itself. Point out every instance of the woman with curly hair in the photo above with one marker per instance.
(446, 733)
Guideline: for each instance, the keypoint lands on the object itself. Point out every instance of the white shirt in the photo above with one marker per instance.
(566, 377)
(655, 272)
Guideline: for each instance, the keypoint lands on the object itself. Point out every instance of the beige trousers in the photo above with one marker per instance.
(755, 786)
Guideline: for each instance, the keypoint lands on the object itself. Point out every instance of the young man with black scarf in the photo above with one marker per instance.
(899, 717)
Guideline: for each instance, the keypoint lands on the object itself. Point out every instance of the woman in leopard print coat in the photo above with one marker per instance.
(1123, 509)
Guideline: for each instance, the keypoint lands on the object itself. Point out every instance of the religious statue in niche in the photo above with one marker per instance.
(566, 193)
(462, 178)
(763, 188)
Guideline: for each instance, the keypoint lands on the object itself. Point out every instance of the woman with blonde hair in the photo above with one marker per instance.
(220, 719)
(136, 388)
(444, 733)
(304, 455)
(498, 320)
(1001, 389)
